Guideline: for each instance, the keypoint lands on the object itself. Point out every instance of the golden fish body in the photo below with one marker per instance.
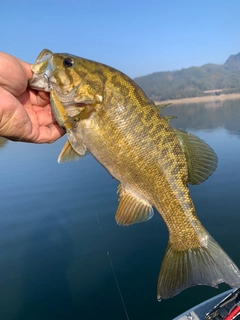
(106, 113)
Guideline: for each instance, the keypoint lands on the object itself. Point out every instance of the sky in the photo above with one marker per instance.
(136, 37)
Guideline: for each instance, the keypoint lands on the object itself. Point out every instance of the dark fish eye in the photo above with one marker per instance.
(68, 62)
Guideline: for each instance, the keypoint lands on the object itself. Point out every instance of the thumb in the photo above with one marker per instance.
(14, 74)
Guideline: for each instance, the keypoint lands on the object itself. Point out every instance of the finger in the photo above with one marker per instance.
(13, 74)
(44, 126)
(45, 117)
(49, 134)
(14, 120)
(27, 68)
(39, 98)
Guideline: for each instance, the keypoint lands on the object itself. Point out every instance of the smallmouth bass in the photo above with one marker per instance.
(105, 112)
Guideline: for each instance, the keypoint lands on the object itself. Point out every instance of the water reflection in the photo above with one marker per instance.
(207, 116)
(46, 293)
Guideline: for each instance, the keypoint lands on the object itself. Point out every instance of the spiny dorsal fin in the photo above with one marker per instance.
(161, 106)
(68, 154)
(168, 118)
(200, 157)
(132, 209)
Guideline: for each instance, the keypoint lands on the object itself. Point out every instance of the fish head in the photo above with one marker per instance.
(58, 72)
(65, 76)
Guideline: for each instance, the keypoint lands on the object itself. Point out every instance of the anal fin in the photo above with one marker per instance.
(132, 209)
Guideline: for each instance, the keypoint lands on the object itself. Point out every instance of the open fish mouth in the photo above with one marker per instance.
(42, 70)
(40, 82)
(43, 82)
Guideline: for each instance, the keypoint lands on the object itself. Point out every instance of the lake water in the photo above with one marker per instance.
(61, 248)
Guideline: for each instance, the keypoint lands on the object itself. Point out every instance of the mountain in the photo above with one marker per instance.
(233, 61)
(193, 81)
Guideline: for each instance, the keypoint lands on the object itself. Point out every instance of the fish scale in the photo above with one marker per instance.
(111, 117)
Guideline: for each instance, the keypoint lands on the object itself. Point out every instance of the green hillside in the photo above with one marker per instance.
(192, 82)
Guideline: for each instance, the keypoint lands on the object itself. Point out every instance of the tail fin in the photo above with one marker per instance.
(206, 265)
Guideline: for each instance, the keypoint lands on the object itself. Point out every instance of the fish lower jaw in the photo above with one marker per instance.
(38, 82)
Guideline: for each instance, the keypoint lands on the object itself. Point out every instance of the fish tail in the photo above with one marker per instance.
(204, 265)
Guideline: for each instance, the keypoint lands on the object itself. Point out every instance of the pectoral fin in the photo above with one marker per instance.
(90, 91)
(132, 209)
(73, 149)
(76, 143)
(200, 157)
(68, 154)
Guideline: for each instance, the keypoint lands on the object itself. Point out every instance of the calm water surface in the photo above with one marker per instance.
(57, 226)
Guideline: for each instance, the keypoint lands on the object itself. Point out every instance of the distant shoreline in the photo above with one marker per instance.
(221, 97)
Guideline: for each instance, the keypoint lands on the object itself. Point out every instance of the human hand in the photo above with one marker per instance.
(25, 114)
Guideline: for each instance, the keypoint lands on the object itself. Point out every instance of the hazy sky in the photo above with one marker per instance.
(136, 37)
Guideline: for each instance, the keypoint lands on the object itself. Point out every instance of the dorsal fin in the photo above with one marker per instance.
(132, 209)
(168, 118)
(161, 106)
(200, 157)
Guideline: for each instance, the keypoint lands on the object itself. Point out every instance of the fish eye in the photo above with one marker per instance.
(68, 62)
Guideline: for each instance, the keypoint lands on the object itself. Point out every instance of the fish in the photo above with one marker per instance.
(105, 113)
